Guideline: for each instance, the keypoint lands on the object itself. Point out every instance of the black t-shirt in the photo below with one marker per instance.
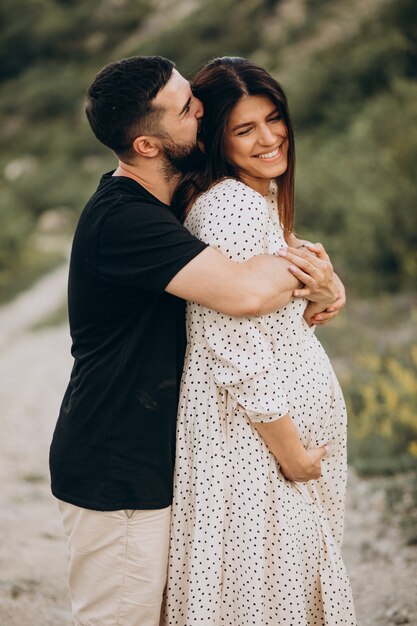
(113, 445)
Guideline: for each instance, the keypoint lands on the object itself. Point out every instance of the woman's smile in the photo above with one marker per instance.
(270, 156)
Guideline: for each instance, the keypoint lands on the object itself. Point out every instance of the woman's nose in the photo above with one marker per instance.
(266, 136)
(199, 111)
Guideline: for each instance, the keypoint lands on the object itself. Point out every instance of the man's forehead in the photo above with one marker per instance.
(175, 93)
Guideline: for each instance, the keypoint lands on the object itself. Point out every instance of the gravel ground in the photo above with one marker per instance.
(34, 368)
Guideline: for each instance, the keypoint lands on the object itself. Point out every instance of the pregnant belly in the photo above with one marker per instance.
(315, 398)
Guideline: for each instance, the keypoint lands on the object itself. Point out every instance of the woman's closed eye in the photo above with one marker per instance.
(275, 118)
(245, 131)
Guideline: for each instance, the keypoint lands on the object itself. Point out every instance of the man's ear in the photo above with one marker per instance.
(147, 146)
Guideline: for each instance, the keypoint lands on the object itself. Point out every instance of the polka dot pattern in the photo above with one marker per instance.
(248, 547)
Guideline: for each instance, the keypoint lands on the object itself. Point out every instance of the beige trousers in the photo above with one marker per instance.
(118, 565)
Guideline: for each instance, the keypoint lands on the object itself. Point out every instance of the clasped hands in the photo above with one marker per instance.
(311, 264)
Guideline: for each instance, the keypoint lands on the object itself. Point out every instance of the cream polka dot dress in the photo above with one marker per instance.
(248, 547)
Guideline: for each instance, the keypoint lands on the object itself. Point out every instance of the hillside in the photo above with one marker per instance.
(349, 69)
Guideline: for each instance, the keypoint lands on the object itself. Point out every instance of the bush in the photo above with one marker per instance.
(16, 223)
(373, 346)
(383, 407)
(359, 190)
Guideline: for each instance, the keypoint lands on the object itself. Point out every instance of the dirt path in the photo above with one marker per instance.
(34, 368)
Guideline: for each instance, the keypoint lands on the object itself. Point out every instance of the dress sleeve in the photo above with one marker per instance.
(235, 218)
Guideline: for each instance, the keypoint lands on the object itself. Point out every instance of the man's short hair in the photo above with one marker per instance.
(119, 101)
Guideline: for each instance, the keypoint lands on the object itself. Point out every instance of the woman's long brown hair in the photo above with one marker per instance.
(220, 85)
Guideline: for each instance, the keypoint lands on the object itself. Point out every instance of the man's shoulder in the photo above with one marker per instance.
(118, 199)
(122, 190)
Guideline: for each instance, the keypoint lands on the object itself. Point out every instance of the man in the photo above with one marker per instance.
(132, 266)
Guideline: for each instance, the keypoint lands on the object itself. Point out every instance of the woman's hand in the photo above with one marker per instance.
(283, 440)
(306, 467)
(312, 266)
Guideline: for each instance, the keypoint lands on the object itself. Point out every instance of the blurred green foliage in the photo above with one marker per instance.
(215, 28)
(49, 159)
(355, 110)
(373, 346)
(353, 99)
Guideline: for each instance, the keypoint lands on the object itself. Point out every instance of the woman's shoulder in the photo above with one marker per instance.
(231, 190)
(231, 216)
(229, 205)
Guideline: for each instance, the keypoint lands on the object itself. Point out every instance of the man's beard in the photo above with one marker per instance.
(181, 159)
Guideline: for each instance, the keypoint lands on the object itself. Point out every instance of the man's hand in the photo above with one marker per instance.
(324, 317)
(312, 266)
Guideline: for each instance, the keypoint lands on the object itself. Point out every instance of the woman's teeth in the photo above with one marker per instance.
(268, 155)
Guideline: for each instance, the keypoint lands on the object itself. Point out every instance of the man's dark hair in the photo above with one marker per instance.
(119, 101)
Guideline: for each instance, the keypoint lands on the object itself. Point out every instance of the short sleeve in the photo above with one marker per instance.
(143, 245)
(244, 364)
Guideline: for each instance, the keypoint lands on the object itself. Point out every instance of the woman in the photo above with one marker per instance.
(253, 540)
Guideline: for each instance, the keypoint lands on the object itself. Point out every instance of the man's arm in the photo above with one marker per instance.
(260, 285)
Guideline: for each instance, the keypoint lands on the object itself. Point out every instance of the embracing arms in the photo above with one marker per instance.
(310, 264)
(260, 285)
(257, 286)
